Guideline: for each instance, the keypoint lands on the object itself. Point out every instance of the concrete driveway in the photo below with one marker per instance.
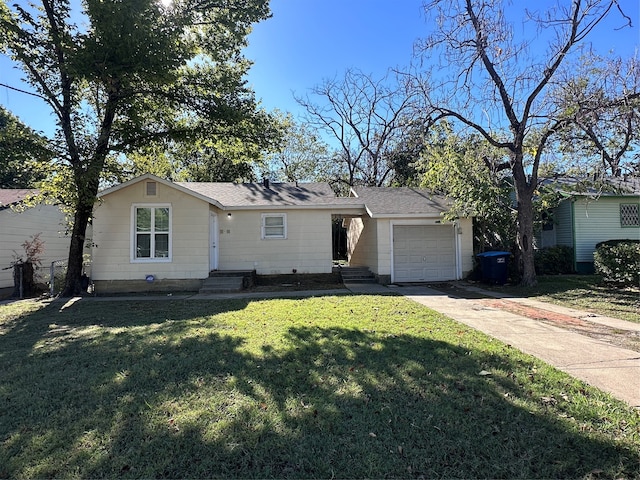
(611, 368)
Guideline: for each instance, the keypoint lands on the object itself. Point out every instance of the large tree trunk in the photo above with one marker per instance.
(87, 183)
(524, 197)
(72, 282)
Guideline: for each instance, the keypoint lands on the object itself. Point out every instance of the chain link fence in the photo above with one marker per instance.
(56, 274)
(30, 279)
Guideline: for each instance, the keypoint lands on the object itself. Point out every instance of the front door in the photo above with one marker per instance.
(213, 241)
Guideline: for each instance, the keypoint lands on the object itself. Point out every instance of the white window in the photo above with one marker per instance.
(274, 225)
(629, 215)
(151, 228)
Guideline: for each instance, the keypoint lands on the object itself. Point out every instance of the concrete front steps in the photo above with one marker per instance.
(226, 282)
(357, 275)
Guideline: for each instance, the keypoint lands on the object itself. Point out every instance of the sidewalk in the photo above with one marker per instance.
(613, 369)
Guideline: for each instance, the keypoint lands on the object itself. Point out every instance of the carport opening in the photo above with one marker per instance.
(339, 239)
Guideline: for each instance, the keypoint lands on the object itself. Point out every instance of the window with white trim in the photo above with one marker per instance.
(151, 233)
(629, 215)
(274, 225)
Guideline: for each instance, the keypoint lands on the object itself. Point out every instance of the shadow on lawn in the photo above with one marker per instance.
(106, 402)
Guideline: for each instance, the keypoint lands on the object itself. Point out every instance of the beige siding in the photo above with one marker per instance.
(597, 221)
(17, 227)
(307, 248)
(111, 255)
(362, 238)
(384, 247)
(465, 234)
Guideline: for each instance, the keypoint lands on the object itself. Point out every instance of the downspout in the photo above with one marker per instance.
(573, 235)
(457, 233)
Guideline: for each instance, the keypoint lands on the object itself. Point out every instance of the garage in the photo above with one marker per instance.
(424, 253)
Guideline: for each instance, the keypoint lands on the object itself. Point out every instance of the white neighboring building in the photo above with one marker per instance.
(18, 226)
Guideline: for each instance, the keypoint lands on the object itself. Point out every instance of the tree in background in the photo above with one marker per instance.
(449, 166)
(600, 100)
(301, 157)
(208, 160)
(367, 118)
(495, 79)
(406, 159)
(129, 74)
(24, 154)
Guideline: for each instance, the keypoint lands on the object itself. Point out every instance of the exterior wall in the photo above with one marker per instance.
(597, 221)
(384, 252)
(362, 243)
(465, 237)
(563, 224)
(307, 248)
(16, 227)
(112, 237)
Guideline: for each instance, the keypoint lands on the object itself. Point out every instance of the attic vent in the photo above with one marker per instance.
(152, 189)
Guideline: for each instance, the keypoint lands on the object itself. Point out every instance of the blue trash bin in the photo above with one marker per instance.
(494, 267)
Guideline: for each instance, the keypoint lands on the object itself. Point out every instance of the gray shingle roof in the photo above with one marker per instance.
(276, 195)
(378, 201)
(392, 201)
(607, 186)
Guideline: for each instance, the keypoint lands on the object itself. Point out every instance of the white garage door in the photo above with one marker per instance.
(424, 253)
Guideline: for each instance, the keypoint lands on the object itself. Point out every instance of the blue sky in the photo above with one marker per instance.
(307, 41)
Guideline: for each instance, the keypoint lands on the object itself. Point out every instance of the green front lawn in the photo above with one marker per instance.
(344, 386)
(586, 292)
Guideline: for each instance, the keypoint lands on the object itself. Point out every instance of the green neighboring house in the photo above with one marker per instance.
(587, 216)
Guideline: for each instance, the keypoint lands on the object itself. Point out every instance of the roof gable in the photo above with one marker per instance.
(148, 176)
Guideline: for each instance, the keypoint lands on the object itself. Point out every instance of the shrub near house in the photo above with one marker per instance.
(618, 261)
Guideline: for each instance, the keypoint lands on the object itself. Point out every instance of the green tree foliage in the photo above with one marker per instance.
(122, 75)
(301, 157)
(405, 157)
(449, 166)
(200, 161)
(23, 153)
